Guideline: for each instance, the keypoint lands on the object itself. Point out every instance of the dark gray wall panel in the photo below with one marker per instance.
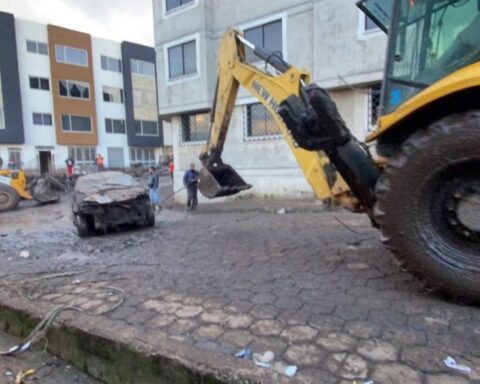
(12, 100)
(140, 52)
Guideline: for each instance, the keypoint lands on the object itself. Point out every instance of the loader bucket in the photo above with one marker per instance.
(221, 180)
(43, 193)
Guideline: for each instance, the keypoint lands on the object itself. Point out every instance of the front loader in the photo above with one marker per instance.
(424, 190)
(14, 188)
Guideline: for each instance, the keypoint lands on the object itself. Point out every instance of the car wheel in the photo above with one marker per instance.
(150, 218)
(81, 223)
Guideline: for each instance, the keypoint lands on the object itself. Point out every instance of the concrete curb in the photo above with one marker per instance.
(118, 353)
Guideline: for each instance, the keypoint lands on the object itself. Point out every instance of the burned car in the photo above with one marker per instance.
(109, 200)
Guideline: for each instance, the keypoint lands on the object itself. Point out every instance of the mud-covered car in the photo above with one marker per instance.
(109, 200)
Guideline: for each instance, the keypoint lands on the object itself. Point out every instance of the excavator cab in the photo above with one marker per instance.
(429, 39)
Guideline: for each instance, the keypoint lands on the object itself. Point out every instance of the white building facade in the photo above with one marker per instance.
(29, 133)
(332, 39)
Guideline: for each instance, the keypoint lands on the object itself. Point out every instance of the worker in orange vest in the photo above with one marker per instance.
(100, 162)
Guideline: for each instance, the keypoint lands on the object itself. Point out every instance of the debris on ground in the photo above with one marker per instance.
(281, 211)
(451, 363)
(21, 376)
(266, 360)
(25, 254)
(245, 354)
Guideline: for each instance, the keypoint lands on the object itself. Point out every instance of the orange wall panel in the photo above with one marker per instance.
(60, 71)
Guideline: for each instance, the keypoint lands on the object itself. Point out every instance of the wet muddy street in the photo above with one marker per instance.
(315, 288)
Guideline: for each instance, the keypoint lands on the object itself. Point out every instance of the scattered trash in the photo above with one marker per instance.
(281, 211)
(25, 254)
(245, 354)
(19, 379)
(264, 360)
(76, 281)
(451, 363)
(368, 382)
(291, 370)
(8, 374)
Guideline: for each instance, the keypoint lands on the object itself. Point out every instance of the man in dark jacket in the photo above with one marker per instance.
(190, 180)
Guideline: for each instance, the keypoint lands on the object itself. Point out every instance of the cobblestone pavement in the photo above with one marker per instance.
(317, 289)
(47, 369)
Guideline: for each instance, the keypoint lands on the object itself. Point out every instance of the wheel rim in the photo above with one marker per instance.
(4, 198)
(454, 193)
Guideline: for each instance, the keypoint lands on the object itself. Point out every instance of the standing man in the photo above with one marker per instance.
(171, 168)
(70, 164)
(190, 180)
(100, 162)
(153, 186)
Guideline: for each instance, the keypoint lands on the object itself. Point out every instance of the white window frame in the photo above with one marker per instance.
(37, 52)
(65, 54)
(78, 132)
(194, 142)
(40, 78)
(143, 162)
(83, 162)
(147, 134)
(283, 16)
(18, 151)
(363, 34)
(43, 118)
(173, 12)
(108, 69)
(122, 93)
(194, 37)
(112, 119)
(245, 126)
(141, 74)
(78, 82)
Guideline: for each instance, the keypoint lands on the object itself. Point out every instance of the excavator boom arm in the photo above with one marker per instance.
(219, 179)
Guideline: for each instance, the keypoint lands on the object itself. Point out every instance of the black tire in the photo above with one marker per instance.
(414, 206)
(9, 198)
(83, 228)
(150, 217)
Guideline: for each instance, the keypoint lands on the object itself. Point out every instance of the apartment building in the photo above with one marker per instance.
(66, 94)
(343, 50)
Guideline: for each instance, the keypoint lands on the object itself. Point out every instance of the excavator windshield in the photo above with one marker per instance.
(429, 39)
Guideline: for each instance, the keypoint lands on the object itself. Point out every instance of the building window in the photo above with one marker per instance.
(115, 126)
(260, 123)
(72, 123)
(112, 95)
(146, 128)
(82, 155)
(70, 55)
(39, 83)
(42, 118)
(174, 4)
(374, 98)
(195, 128)
(268, 36)
(74, 89)
(111, 64)
(37, 47)
(14, 158)
(369, 24)
(182, 59)
(145, 156)
(141, 67)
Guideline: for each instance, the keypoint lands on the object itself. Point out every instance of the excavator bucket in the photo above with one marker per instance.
(221, 180)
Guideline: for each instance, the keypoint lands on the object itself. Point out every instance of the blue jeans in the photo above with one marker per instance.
(154, 196)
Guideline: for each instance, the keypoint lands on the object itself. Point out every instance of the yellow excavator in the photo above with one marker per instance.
(423, 190)
(14, 188)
